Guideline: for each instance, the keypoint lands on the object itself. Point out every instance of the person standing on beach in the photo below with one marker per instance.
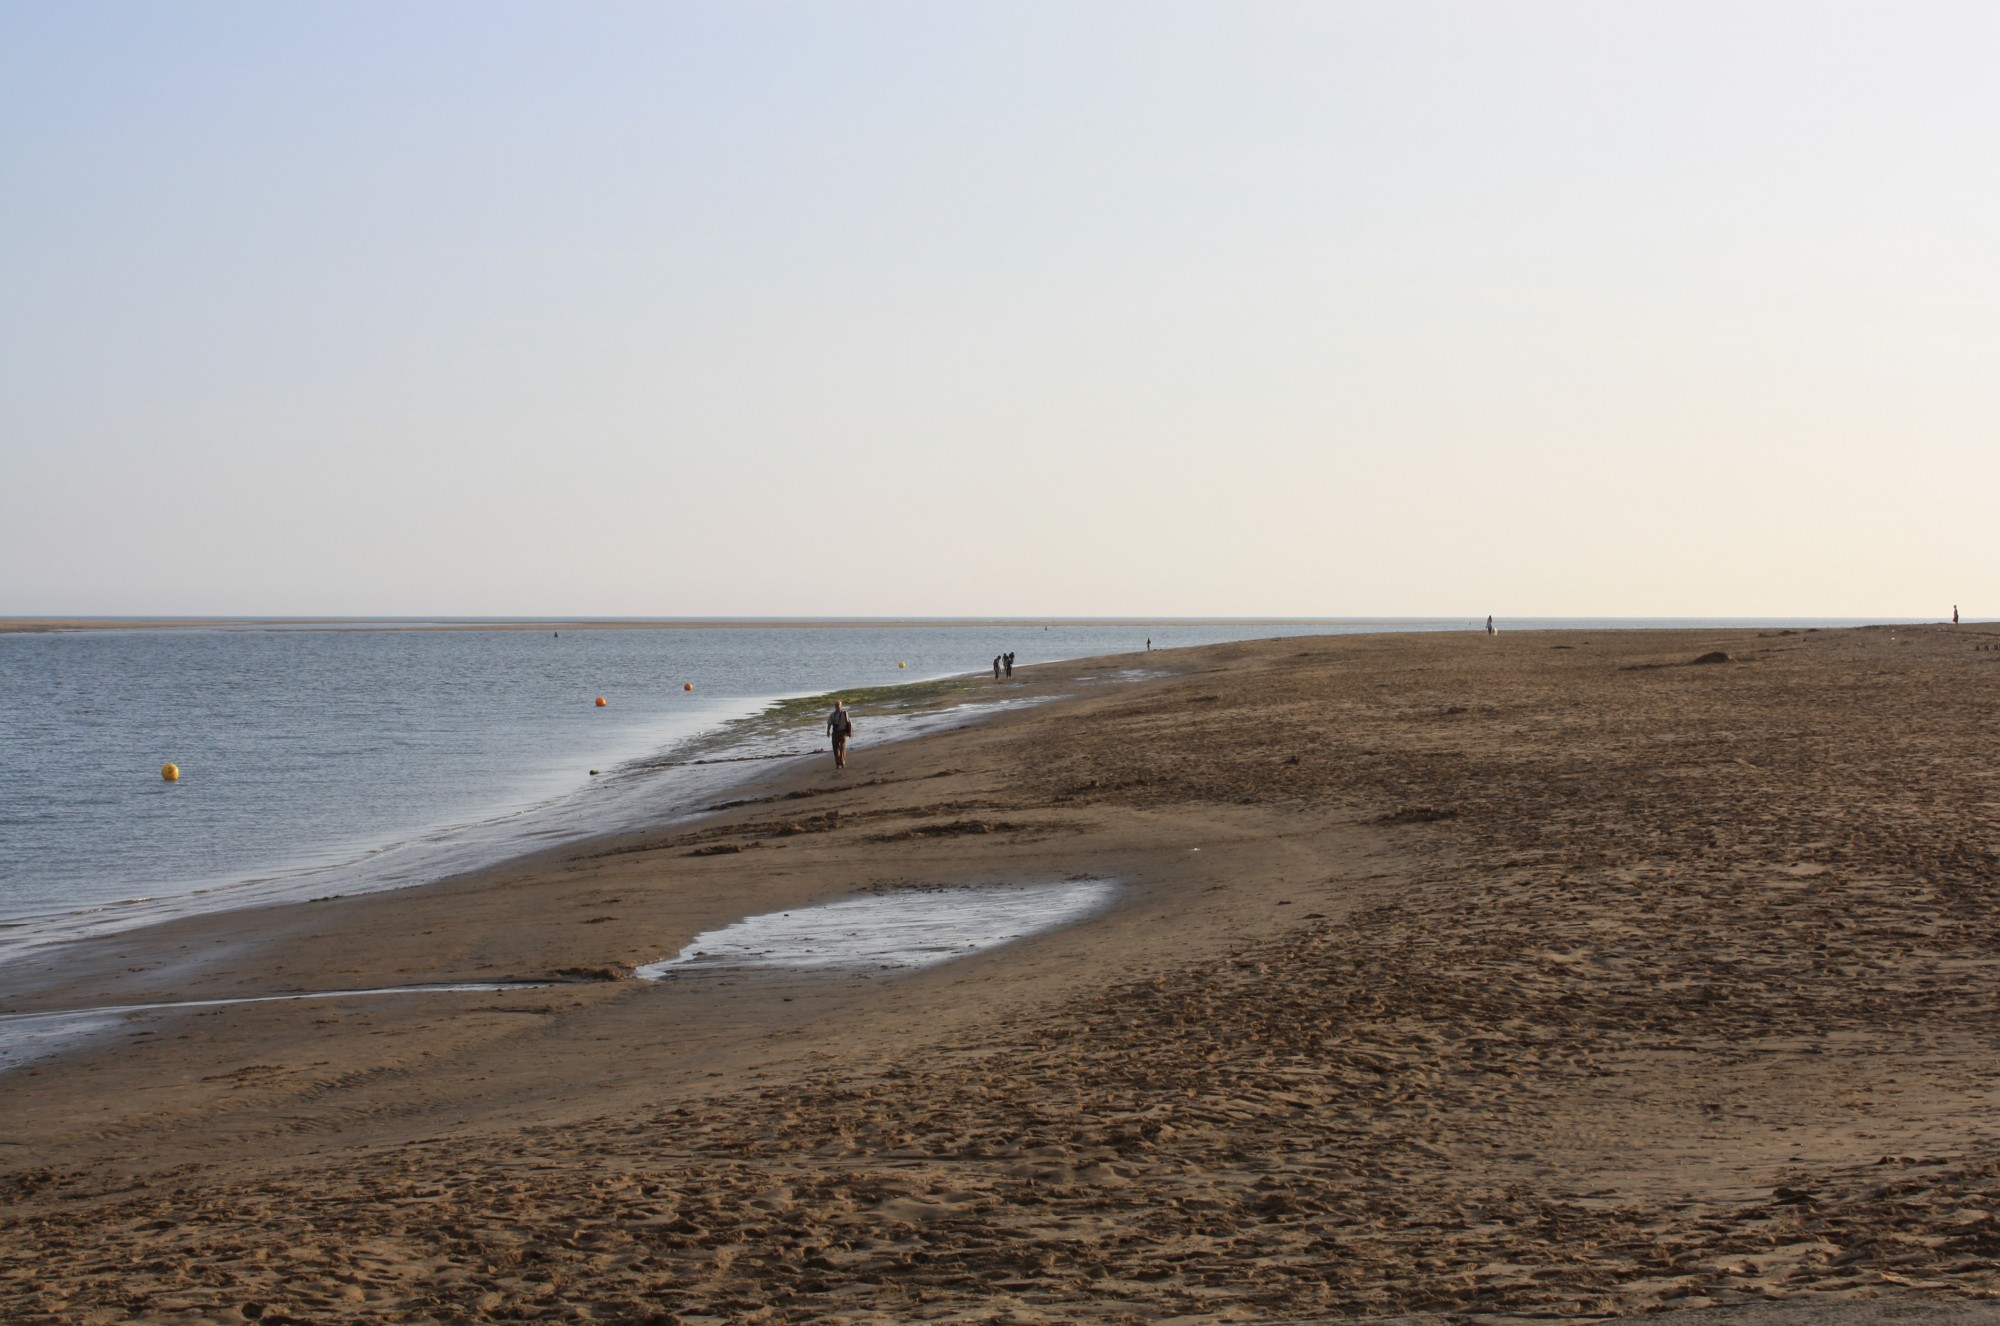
(996, 667)
(1954, 614)
(1489, 625)
(1007, 660)
(839, 726)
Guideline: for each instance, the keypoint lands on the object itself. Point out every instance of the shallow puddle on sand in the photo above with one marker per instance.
(899, 931)
(908, 929)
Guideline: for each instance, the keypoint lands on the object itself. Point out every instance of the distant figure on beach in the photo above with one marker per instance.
(1954, 614)
(839, 726)
(1007, 660)
(996, 667)
(1489, 625)
(1149, 644)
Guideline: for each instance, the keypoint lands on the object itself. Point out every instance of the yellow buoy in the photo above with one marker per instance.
(171, 772)
(600, 702)
(687, 685)
(902, 665)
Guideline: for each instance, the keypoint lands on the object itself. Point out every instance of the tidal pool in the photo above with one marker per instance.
(904, 930)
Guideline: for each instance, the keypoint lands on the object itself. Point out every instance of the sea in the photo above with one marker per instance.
(320, 758)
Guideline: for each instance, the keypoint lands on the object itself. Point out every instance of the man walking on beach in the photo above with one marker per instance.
(839, 726)
(996, 667)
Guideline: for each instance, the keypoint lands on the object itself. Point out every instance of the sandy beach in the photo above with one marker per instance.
(1549, 974)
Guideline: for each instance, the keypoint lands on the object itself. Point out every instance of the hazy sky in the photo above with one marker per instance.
(1009, 308)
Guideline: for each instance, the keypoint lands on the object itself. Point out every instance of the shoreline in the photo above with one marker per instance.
(1474, 622)
(442, 851)
(53, 624)
(907, 710)
(1554, 974)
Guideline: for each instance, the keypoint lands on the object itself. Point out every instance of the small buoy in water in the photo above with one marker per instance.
(171, 772)
(902, 665)
(600, 702)
(593, 773)
(687, 685)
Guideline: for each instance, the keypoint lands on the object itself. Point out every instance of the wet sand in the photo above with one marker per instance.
(1546, 974)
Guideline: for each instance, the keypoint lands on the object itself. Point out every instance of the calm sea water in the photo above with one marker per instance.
(318, 760)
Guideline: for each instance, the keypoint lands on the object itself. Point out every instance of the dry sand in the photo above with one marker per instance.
(1548, 974)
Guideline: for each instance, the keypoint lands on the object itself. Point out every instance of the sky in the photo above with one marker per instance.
(1019, 308)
